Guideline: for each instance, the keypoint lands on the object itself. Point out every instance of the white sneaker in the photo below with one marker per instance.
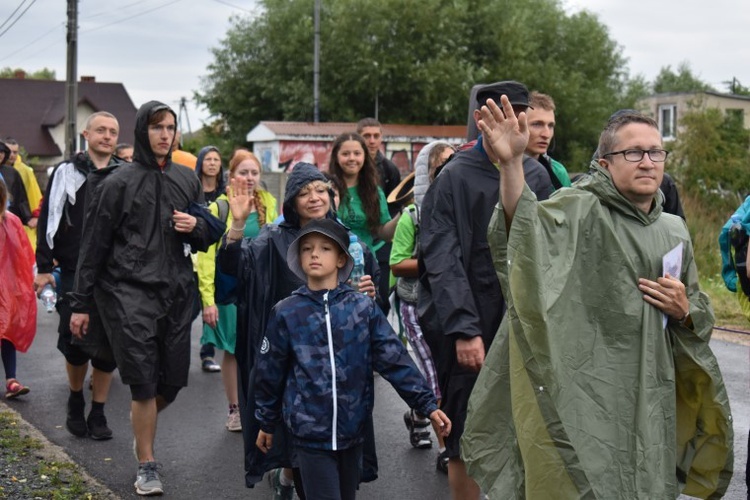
(233, 421)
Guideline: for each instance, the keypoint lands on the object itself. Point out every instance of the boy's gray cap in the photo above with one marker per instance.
(326, 227)
(517, 93)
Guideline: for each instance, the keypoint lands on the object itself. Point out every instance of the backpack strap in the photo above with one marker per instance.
(415, 215)
(223, 210)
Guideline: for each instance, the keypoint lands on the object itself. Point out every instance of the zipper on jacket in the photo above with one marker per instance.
(331, 357)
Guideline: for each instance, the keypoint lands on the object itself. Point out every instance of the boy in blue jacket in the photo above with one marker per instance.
(316, 365)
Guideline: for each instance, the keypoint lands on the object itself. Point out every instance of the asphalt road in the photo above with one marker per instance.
(202, 460)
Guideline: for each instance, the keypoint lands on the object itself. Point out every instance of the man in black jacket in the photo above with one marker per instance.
(371, 130)
(460, 303)
(19, 202)
(135, 267)
(58, 244)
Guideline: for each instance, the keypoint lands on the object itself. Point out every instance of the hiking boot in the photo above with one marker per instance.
(419, 434)
(442, 462)
(209, 365)
(147, 483)
(76, 421)
(14, 388)
(280, 492)
(233, 421)
(97, 424)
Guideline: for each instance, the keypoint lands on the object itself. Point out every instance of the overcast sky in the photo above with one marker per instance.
(160, 48)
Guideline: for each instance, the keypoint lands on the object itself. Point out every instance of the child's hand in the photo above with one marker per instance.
(265, 441)
(441, 421)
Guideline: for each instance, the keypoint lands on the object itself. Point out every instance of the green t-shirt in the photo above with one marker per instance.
(403, 239)
(352, 214)
(252, 227)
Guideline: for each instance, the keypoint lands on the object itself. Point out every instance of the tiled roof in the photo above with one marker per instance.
(28, 107)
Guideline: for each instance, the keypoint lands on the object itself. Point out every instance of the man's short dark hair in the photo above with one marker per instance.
(608, 137)
(10, 140)
(121, 146)
(537, 100)
(367, 122)
(159, 116)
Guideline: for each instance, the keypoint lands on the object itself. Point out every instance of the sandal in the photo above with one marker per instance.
(14, 389)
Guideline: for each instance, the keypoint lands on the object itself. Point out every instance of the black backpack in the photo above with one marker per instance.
(739, 241)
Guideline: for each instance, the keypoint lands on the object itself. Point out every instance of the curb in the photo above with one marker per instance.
(52, 452)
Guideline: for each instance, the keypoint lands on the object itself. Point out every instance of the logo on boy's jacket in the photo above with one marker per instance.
(265, 345)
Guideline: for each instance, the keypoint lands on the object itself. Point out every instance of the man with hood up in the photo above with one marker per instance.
(601, 382)
(135, 267)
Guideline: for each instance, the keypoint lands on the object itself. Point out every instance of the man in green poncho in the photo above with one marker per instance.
(600, 383)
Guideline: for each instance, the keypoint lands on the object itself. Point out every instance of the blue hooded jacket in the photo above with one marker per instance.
(316, 362)
(741, 216)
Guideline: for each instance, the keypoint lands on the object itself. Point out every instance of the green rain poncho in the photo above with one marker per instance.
(584, 394)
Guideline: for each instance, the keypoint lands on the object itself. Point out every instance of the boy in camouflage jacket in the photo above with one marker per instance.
(316, 365)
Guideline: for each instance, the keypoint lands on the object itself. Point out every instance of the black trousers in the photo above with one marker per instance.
(330, 475)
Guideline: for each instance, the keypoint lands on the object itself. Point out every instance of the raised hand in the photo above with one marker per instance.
(504, 134)
(241, 199)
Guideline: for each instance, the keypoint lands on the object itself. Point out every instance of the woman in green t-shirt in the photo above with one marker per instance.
(363, 207)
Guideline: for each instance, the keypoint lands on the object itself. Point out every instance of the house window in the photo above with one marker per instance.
(736, 116)
(668, 121)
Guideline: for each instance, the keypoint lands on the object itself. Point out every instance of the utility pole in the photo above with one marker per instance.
(183, 109)
(71, 81)
(316, 63)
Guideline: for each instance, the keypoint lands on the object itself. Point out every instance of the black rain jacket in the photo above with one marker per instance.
(459, 293)
(128, 234)
(67, 239)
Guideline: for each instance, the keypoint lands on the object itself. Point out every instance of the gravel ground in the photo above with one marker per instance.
(32, 467)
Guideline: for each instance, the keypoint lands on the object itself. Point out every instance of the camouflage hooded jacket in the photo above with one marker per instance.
(316, 362)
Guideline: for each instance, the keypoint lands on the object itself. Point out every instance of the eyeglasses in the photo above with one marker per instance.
(656, 155)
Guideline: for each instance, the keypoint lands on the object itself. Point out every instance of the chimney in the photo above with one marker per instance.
(88, 79)
(19, 74)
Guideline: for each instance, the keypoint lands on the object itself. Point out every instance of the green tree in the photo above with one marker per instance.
(42, 74)
(711, 152)
(418, 61)
(683, 80)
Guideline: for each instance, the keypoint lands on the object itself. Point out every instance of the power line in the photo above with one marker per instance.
(224, 2)
(12, 14)
(19, 17)
(129, 17)
(33, 42)
(102, 13)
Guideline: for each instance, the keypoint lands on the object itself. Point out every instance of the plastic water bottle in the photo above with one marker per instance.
(358, 255)
(48, 296)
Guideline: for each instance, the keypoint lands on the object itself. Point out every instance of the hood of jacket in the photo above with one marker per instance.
(302, 175)
(599, 182)
(142, 152)
(422, 172)
(220, 182)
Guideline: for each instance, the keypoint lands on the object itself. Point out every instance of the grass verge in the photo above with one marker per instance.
(31, 467)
